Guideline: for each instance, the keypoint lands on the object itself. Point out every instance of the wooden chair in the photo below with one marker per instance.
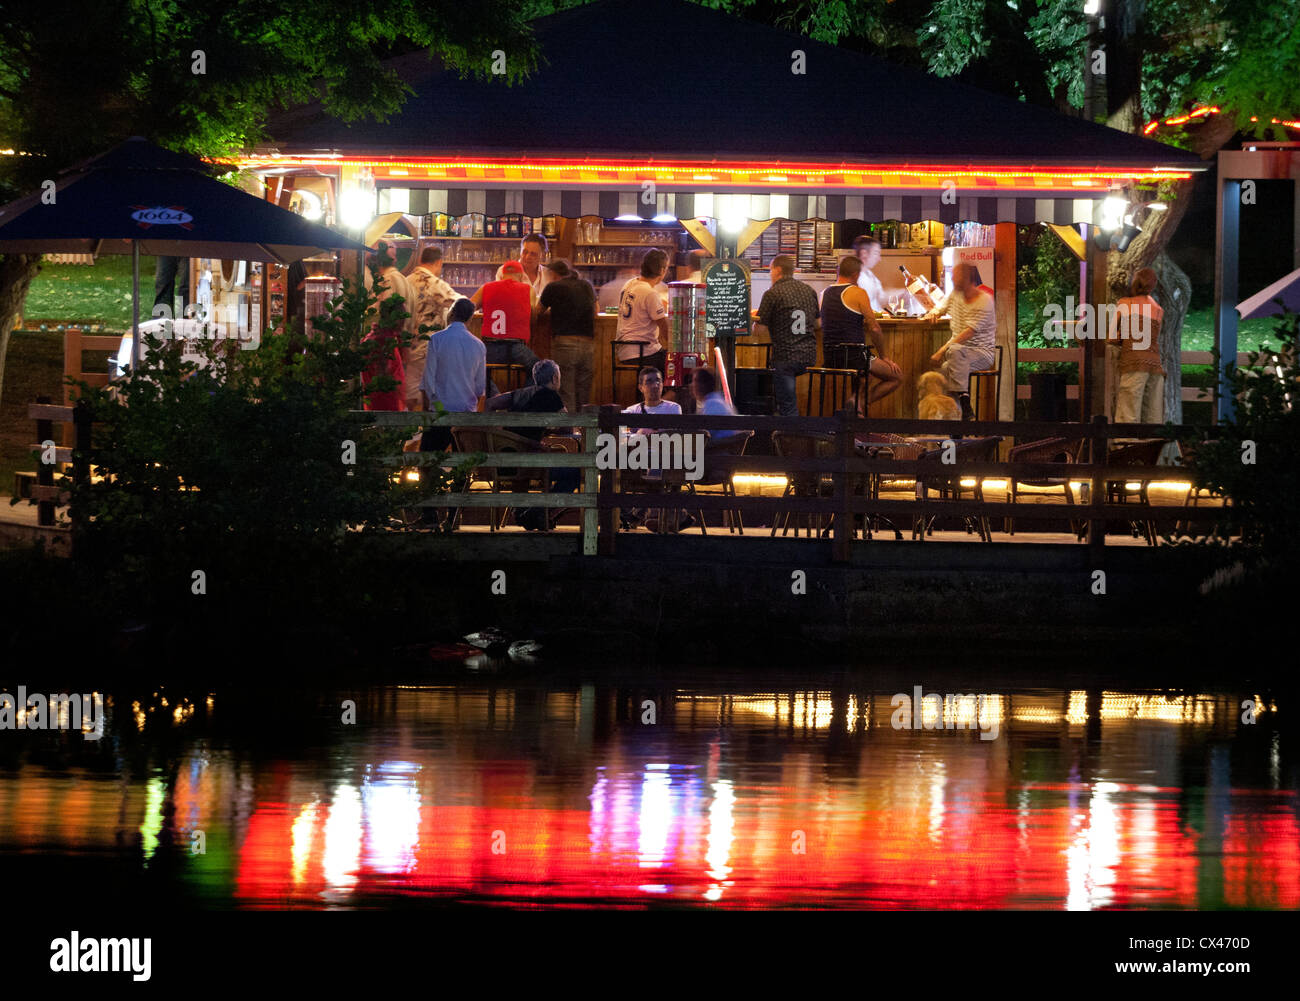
(1140, 453)
(1063, 450)
(794, 445)
(948, 483)
(976, 383)
(516, 375)
(733, 444)
(840, 384)
(1195, 492)
(500, 479)
(617, 366)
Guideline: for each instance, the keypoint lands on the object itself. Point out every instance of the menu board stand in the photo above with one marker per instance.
(726, 304)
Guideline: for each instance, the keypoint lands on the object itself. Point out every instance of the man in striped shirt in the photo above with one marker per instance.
(974, 331)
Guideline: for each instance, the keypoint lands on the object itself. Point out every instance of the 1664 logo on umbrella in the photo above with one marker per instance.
(171, 215)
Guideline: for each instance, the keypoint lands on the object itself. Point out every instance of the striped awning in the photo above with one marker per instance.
(609, 204)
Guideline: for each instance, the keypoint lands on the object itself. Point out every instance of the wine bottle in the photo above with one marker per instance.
(919, 287)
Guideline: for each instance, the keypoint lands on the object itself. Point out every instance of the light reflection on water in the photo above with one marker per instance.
(529, 795)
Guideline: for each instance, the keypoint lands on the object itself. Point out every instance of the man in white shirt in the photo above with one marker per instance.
(974, 333)
(433, 298)
(867, 250)
(643, 315)
(532, 248)
(650, 382)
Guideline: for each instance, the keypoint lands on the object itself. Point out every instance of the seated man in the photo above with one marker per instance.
(974, 330)
(543, 397)
(650, 382)
(848, 320)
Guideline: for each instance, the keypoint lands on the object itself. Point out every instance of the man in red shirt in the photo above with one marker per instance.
(509, 307)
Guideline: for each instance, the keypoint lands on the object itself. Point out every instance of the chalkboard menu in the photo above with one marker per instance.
(726, 298)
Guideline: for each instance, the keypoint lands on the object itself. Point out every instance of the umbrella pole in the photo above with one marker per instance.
(135, 306)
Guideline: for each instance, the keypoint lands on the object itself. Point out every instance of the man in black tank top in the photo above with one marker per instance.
(847, 317)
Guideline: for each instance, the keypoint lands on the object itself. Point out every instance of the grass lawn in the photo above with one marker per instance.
(95, 294)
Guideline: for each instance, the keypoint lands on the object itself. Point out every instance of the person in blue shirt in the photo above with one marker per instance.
(709, 399)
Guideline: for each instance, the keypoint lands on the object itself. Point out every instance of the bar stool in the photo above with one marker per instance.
(839, 381)
(617, 366)
(974, 388)
(516, 375)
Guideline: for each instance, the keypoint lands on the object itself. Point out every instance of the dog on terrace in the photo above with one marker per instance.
(934, 402)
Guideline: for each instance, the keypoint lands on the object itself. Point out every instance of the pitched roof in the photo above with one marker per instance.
(666, 79)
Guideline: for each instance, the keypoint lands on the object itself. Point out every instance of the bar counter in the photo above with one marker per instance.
(909, 342)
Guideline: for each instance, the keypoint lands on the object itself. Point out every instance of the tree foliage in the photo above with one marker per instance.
(1255, 458)
(252, 467)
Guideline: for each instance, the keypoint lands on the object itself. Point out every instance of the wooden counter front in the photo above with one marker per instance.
(910, 343)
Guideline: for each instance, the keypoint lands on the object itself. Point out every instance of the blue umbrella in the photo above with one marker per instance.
(138, 197)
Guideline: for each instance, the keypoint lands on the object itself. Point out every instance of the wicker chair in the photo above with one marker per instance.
(883, 445)
(1062, 450)
(948, 483)
(791, 445)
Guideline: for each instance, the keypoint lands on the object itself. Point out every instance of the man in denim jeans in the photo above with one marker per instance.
(789, 311)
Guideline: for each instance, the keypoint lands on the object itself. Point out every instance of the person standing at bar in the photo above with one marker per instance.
(532, 248)
(974, 332)
(789, 311)
(867, 250)
(643, 315)
(508, 314)
(571, 302)
(847, 322)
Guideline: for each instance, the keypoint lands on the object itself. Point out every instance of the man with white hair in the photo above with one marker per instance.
(543, 397)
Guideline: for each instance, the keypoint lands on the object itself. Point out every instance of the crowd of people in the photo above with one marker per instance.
(449, 368)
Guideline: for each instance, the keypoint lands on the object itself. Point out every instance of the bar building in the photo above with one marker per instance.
(667, 124)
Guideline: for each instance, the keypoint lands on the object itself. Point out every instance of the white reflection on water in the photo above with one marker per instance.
(1094, 854)
(655, 816)
(342, 843)
(391, 803)
(721, 824)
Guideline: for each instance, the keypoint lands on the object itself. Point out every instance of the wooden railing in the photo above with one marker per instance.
(1190, 394)
(601, 497)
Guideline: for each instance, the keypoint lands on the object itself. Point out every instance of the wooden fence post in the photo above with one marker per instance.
(843, 518)
(80, 462)
(1096, 521)
(44, 470)
(607, 521)
(590, 480)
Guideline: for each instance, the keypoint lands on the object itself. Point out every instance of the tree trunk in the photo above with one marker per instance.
(1125, 46)
(16, 274)
(1174, 293)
